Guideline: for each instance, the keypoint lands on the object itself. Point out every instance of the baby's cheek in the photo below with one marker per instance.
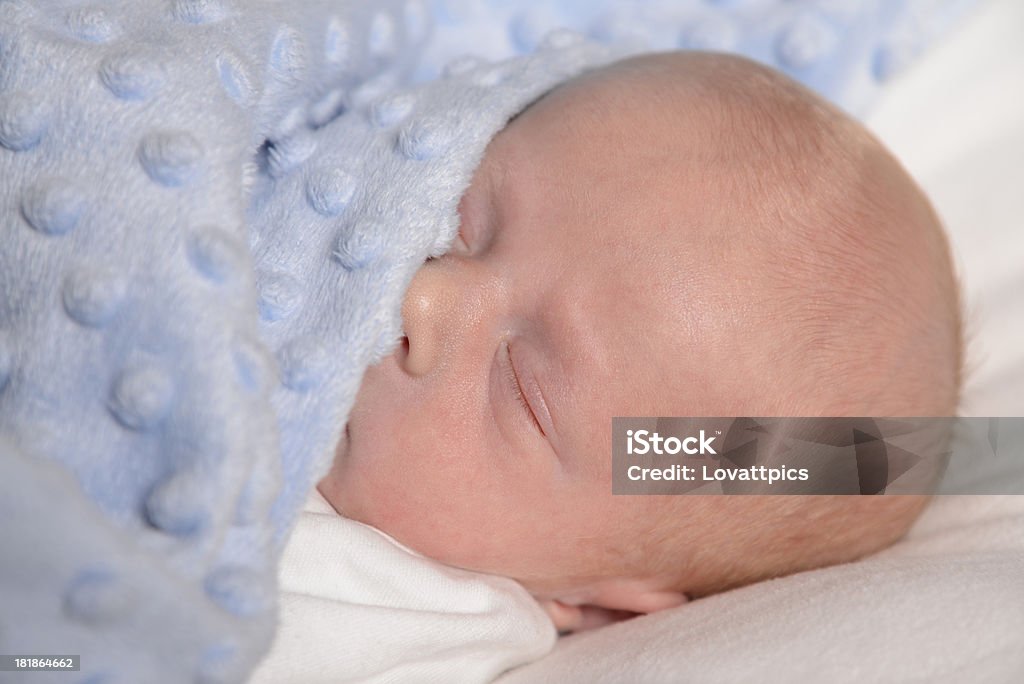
(369, 493)
(398, 493)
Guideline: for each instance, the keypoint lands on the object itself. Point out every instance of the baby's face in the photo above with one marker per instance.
(484, 442)
(630, 246)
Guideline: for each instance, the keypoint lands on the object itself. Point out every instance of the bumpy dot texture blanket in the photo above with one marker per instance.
(844, 49)
(199, 260)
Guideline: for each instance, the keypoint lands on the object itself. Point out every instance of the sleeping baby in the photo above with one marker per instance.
(677, 234)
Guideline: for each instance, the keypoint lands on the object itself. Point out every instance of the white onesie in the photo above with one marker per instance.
(357, 606)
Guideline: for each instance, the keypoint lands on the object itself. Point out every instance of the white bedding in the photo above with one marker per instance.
(947, 603)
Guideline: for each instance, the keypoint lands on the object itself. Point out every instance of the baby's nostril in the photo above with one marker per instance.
(405, 346)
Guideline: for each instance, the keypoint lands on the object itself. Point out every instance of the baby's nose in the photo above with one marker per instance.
(449, 310)
(426, 313)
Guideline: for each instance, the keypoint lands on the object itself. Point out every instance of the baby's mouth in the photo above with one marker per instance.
(343, 443)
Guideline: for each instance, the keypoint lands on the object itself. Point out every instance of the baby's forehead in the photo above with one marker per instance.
(685, 101)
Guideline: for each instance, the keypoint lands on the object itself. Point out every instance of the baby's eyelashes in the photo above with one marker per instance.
(459, 247)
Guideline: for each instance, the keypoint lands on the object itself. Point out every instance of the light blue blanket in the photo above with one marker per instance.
(209, 213)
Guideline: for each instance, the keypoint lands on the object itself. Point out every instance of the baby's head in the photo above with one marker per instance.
(681, 234)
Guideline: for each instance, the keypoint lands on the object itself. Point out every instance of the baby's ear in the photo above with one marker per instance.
(609, 601)
(567, 618)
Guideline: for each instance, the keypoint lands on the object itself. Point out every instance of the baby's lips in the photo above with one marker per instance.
(342, 449)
